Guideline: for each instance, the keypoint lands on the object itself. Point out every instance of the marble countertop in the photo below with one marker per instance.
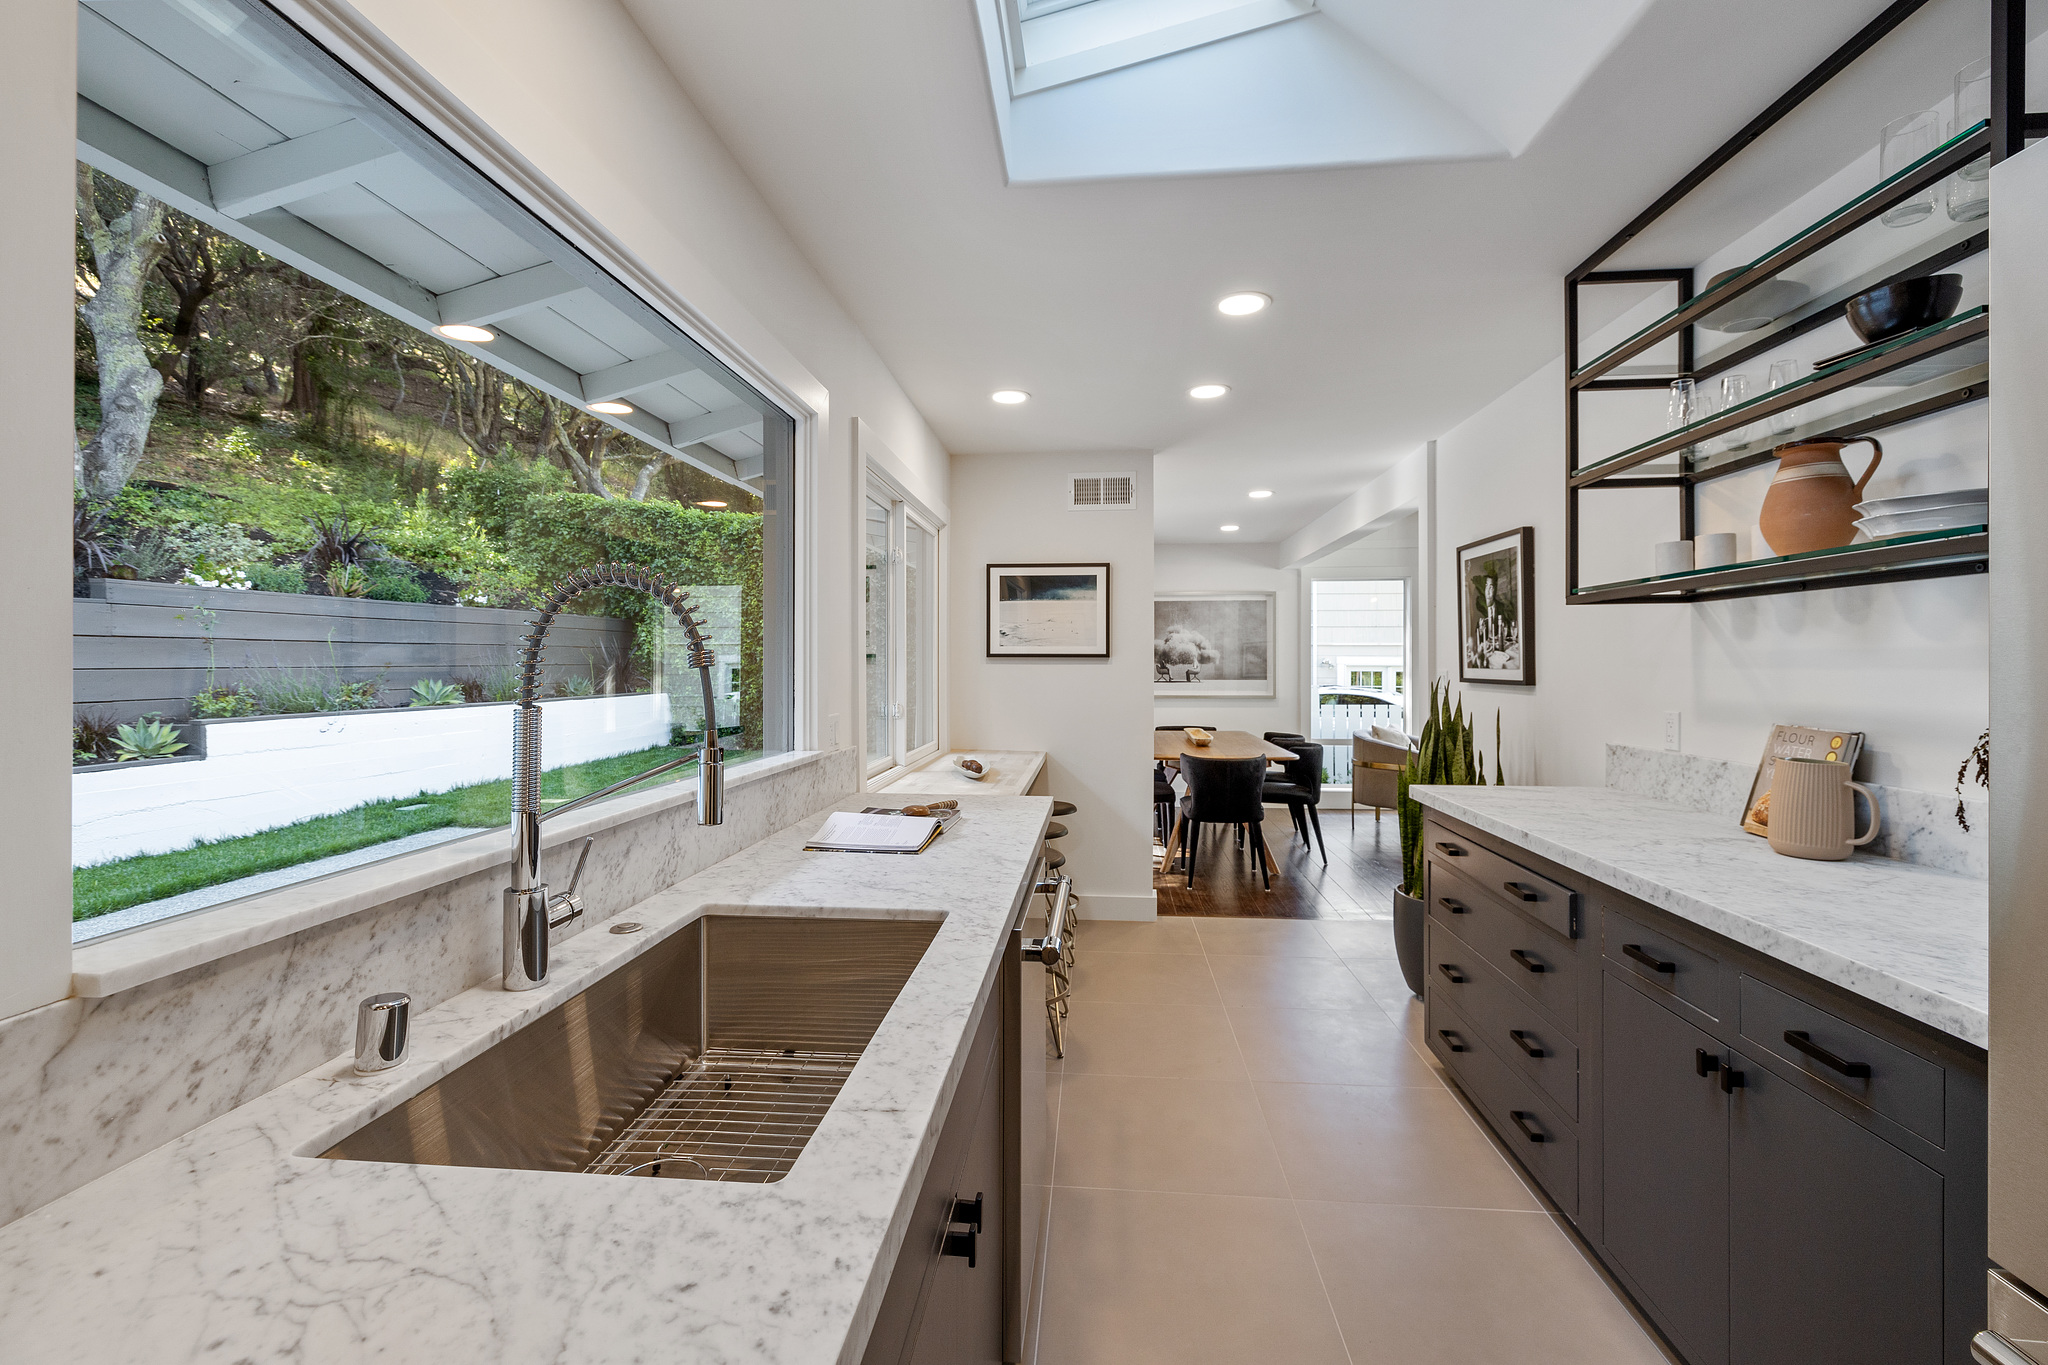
(1909, 938)
(236, 1242)
(1010, 773)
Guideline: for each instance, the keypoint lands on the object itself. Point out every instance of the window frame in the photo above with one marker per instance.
(904, 511)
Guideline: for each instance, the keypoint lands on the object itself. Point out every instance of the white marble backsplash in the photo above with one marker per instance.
(88, 1084)
(1917, 827)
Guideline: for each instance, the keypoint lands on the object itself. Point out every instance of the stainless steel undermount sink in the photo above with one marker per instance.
(711, 1057)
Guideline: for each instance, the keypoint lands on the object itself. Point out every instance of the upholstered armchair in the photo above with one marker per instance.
(1375, 769)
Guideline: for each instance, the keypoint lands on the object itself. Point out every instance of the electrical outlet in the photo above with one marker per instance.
(832, 731)
(1671, 730)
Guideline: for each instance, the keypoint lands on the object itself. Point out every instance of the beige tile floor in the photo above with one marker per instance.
(1254, 1160)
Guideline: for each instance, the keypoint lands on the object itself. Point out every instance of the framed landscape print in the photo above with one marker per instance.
(1048, 611)
(1212, 644)
(1496, 609)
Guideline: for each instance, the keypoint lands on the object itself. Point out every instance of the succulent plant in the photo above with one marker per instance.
(150, 737)
(433, 692)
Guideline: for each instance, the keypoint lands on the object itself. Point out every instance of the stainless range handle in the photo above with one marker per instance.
(1050, 948)
(1989, 1348)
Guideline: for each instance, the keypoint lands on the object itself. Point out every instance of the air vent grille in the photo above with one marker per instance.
(1100, 492)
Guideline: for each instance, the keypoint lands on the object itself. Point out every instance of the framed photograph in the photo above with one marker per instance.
(1212, 644)
(1048, 611)
(1497, 609)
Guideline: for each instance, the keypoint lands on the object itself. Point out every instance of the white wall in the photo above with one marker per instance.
(1238, 568)
(1093, 717)
(37, 104)
(1904, 663)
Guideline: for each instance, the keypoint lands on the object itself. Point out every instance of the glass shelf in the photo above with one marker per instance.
(1930, 554)
(1958, 151)
(1915, 371)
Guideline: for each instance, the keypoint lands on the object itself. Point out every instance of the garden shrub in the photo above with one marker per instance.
(277, 578)
(395, 587)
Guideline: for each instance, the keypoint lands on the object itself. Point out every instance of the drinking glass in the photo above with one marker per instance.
(1973, 105)
(1783, 372)
(1684, 403)
(1734, 391)
(1903, 142)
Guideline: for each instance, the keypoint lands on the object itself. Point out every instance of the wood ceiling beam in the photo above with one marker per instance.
(297, 169)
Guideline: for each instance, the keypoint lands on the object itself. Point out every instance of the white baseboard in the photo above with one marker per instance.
(1144, 907)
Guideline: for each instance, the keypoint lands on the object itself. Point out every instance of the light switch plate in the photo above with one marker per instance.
(1671, 730)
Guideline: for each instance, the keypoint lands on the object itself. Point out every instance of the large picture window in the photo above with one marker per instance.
(902, 621)
(344, 412)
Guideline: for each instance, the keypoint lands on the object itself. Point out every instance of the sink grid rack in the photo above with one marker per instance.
(740, 1115)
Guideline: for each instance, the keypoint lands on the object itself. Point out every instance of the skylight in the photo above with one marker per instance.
(1057, 41)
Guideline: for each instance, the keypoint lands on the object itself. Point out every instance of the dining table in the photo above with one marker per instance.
(1168, 746)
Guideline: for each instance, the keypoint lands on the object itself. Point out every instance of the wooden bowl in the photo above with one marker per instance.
(1199, 738)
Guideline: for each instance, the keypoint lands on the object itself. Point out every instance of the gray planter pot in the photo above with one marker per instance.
(1408, 917)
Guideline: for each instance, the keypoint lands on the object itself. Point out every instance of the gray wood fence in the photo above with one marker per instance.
(143, 647)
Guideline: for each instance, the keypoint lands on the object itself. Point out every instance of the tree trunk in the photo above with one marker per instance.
(124, 251)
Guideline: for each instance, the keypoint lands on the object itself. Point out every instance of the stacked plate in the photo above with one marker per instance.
(1924, 512)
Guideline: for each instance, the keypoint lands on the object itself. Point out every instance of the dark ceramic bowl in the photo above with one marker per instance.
(1894, 309)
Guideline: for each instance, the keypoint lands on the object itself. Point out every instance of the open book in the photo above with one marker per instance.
(859, 832)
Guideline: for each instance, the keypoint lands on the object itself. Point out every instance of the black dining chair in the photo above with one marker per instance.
(1163, 795)
(1223, 791)
(1299, 786)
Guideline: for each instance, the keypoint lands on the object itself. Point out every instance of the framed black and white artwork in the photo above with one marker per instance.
(1212, 644)
(1496, 609)
(1048, 611)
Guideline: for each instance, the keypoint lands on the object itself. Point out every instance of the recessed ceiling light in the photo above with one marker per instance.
(1009, 395)
(1262, 492)
(462, 331)
(1242, 305)
(610, 408)
(711, 502)
(1226, 528)
(1208, 390)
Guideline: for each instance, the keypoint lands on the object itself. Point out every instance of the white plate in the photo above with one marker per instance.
(1923, 502)
(1934, 519)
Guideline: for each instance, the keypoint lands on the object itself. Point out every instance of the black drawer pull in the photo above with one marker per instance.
(1527, 1123)
(1517, 889)
(967, 1211)
(1455, 907)
(1731, 1079)
(1527, 961)
(1635, 951)
(1451, 1039)
(1450, 850)
(1798, 1039)
(1704, 1062)
(1457, 978)
(960, 1243)
(1522, 1041)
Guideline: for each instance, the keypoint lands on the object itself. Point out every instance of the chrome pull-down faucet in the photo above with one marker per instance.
(529, 909)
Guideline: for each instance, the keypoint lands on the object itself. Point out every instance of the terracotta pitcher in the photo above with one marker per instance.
(1812, 502)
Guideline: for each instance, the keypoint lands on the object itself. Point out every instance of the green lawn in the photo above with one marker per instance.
(107, 887)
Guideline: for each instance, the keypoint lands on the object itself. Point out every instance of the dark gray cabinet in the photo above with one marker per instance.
(1778, 1171)
(1665, 1167)
(1835, 1235)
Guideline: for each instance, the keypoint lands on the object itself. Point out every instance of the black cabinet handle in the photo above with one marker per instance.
(1455, 907)
(1451, 1039)
(1527, 1123)
(1450, 850)
(1527, 961)
(1798, 1039)
(962, 1243)
(1731, 1079)
(1704, 1062)
(1457, 978)
(1517, 889)
(1635, 950)
(1522, 1041)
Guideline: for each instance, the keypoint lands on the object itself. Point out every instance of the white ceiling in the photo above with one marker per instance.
(1405, 296)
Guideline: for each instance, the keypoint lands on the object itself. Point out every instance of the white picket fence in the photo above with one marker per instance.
(266, 771)
(1333, 726)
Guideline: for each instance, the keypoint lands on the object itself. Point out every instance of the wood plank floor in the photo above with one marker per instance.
(1364, 869)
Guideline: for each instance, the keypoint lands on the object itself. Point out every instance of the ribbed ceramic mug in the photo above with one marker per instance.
(1813, 809)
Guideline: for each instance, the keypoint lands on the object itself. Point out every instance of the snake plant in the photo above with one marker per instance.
(1448, 755)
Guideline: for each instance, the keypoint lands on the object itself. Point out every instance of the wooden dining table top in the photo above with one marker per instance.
(1168, 745)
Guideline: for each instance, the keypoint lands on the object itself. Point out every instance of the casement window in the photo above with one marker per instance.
(901, 664)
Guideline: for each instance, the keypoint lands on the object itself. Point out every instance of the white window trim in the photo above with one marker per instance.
(1411, 615)
(878, 485)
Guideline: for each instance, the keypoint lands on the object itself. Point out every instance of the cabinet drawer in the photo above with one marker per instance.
(1539, 964)
(1657, 959)
(1529, 1042)
(1536, 896)
(1906, 1089)
(1526, 1123)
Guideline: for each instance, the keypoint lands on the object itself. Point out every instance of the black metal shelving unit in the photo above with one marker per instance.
(1924, 372)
